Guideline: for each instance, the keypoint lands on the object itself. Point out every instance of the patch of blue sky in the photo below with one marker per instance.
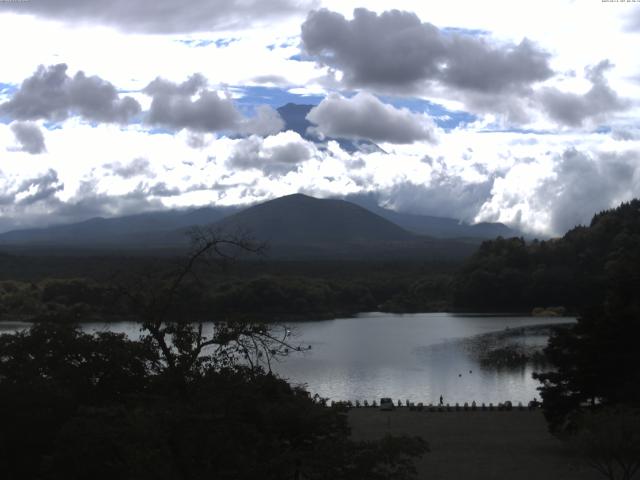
(301, 57)
(50, 126)
(160, 131)
(289, 42)
(443, 117)
(275, 97)
(524, 131)
(471, 32)
(7, 88)
(219, 43)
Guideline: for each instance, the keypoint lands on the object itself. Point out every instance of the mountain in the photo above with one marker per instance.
(438, 227)
(115, 231)
(295, 118)
(294, 226)
(302, 220)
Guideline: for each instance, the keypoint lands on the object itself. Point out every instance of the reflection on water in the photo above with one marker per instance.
(417, 357)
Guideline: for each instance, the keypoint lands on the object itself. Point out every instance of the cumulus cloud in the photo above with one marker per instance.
(365, 117)
(191, 105)
(396, 51)
(584, 184)
(573, 109)
(31, 190)
(552, 200)
(51, 94)
(274, 156)
(266, 121)
(29, 136)
(162, 16)
(137, 167)
(447, 195)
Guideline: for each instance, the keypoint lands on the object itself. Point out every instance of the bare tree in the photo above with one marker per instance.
(189, 345)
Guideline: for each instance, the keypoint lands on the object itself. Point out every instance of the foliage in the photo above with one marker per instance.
(609, 439)
(184, 402)
(572, 271)
(596, 360)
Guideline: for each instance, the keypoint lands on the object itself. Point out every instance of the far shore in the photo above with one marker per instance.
(477, 445)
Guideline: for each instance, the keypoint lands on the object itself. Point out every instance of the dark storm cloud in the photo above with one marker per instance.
(173, 106)
(396, 51)
(251, 153)
(162, 16)
(364, 116)
(29, 136)
(573, 109)
(53, 95)
(584, 184)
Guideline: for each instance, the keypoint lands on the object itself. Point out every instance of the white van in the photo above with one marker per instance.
(386, 404)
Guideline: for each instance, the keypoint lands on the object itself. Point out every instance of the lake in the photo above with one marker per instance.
(413, 356)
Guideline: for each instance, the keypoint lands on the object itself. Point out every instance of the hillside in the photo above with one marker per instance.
(295, 227)
(102, 232)
(574, 271)
(302, 220)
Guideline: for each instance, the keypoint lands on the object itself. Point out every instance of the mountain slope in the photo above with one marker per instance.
(114, 231)
(438, 227)
(301, 220)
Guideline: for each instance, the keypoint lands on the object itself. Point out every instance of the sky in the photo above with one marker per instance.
(526, 113)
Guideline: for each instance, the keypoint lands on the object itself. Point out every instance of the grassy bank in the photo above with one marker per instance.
(477, 445)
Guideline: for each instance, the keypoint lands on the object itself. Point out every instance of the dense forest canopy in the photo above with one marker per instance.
(572, 271)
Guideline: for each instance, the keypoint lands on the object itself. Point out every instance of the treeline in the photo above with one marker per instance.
(573, 271)
(267, 297)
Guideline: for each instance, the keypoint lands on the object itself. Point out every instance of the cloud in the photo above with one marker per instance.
(137, 167)
(447, 195)
(395, 51)
(553, 200)
(191, 105)
(365, 117)
(633, 21)
(274, 156)
(29, 136)
(573, 110)
(266, 121)
(51, 94)
(584, 184)
(38, 189)
(163, 16)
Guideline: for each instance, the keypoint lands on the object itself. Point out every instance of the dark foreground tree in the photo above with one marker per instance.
(592, 398)
(609, 440)
(187, 401)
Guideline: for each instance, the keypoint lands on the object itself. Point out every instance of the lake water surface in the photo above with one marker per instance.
(415, 356)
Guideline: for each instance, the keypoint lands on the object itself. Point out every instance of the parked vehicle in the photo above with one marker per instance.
(386, 404)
